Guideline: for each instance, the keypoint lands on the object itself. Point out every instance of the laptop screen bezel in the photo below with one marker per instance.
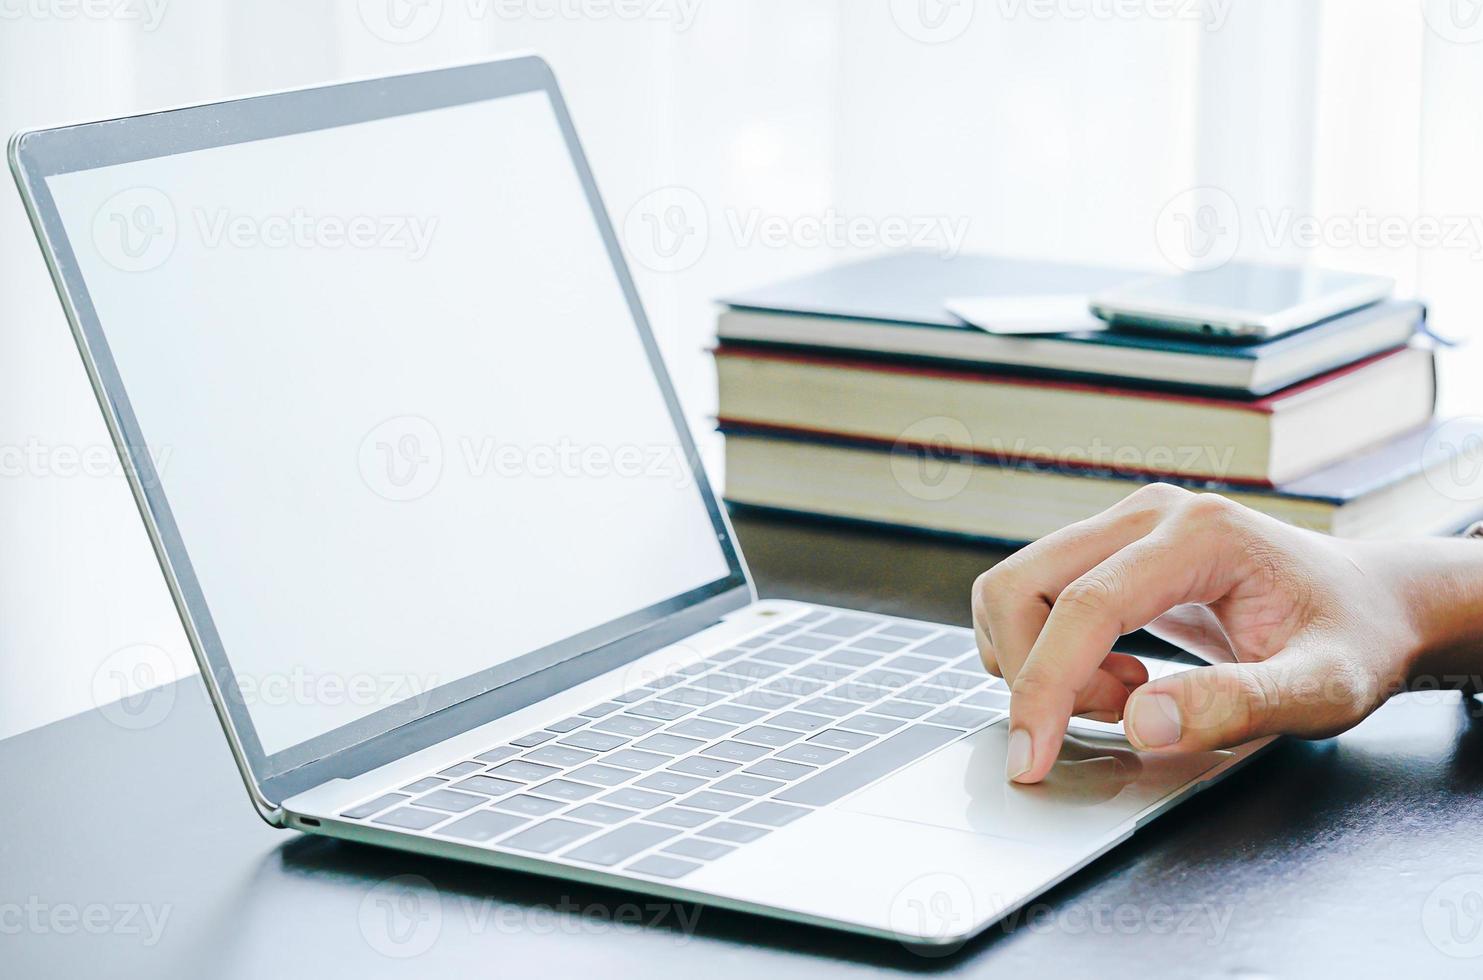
(395, 731)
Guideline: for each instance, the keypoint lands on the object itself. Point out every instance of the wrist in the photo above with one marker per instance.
(1438, 590)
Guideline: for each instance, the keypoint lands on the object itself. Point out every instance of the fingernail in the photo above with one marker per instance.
(1017, 758)
(1153, 720)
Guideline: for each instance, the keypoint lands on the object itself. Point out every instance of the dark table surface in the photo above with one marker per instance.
(135, 853)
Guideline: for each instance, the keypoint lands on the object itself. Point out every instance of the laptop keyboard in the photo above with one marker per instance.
(688, 767)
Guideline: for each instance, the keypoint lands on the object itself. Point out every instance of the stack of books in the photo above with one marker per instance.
(854, 394)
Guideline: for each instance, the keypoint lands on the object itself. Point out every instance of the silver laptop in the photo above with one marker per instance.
(445, 552)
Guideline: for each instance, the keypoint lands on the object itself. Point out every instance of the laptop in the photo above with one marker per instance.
(444, 550)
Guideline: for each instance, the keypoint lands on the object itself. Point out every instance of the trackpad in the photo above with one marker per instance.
(1098, 783)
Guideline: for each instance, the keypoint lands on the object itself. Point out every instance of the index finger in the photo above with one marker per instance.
(1125, 592)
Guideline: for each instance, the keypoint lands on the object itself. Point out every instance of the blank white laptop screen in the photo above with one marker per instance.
(398, 403)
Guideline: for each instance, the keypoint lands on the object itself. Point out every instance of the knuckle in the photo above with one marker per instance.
(1088, 594)
(1208, 509)
(1158, 495)
(1257, 699)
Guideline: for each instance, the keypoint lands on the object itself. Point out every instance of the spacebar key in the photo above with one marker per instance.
(865, 767)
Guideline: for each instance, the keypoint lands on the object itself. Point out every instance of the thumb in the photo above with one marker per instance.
(1295, 692)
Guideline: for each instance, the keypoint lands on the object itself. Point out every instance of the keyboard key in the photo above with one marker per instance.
(740, 650)
(752, 670)
(731, 712)
(696, 697)
(960, 717)
(375, 806)
(799, 721)
(859, 693)
(549, 835)
(668, 680)
(794, 685)
(697, 765)
(771, 814)
(764, 699)
(635, 798)
(765, 735)
(902, 709)
(813, 755)
(723, 683)
(662, 867)
(907, 630)
(989, 699)
(566, 724)
(914, 665)
(495, 755)
(678, 817)
(626, 725)
(669, 782)
(812, 616)
(824, 672)
(874, 724)
(879, 644)
(748, 785)
(701, 850)
(628, 697)
(462, 769)
(737, 833)
(961, 681)
(718, 802)
(423, 785)
(599, 813)
(850, 658)
(534, 738)
(929, 694)
(673, 744)
(782, 655)
(596, 741)
(411, 818)
(663, 710)
(895, 680)
(845, 626)
(633, 759)
(487, 785)
(532, 806)
(621, 844)
(735, 751)
(482, 826)
(524, 771)
(836, 739)
(947, 646)
(811, 641)
(564, 789)
(598, 710)
(701, 728)
(867, 765)
(447, 799)
(601, 775)
(559, 755)
(775, 769)
(833, 707)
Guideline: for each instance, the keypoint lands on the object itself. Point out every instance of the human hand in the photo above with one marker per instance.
(1308, 634)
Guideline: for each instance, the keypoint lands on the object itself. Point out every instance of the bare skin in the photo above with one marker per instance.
(1307, 634)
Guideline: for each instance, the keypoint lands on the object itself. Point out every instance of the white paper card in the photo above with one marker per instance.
(1009, 315)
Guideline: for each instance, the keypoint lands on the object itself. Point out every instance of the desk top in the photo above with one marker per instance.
(136, 853)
